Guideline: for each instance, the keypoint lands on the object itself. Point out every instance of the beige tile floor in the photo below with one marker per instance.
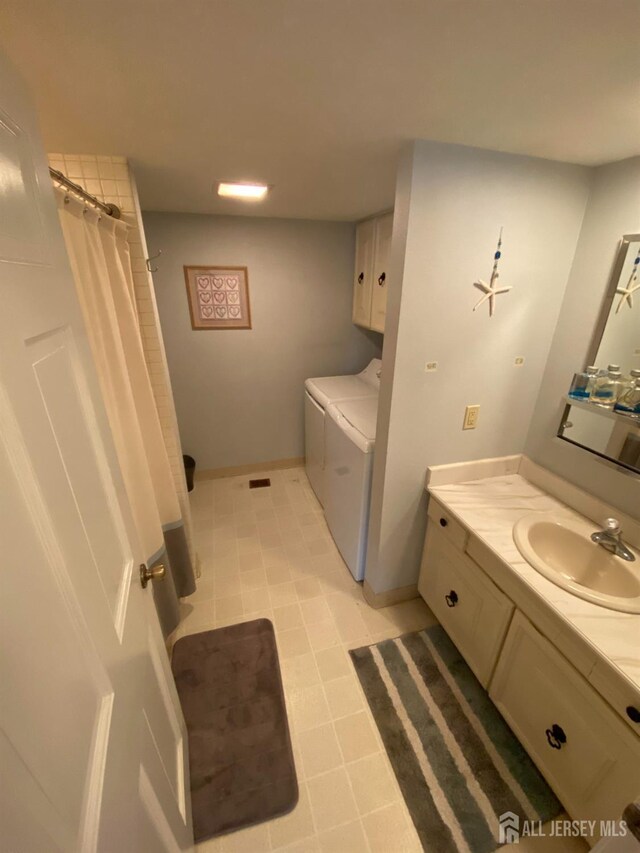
(268, 553)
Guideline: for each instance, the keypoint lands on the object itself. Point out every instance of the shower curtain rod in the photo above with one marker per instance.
(109, 209)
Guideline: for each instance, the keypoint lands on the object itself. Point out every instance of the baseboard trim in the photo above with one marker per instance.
(238, 470)
(390, 596)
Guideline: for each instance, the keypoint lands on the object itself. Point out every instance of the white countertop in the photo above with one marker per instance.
(489, 508)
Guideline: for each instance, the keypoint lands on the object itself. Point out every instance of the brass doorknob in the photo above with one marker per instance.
(154, 574)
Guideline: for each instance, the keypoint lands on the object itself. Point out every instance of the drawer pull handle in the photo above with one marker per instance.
(361, 278)
(381, 279)
(556, 736)
(452, 598)
(443, 522)
(633, 713)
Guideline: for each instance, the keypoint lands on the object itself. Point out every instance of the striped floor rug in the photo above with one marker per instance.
(458, 763)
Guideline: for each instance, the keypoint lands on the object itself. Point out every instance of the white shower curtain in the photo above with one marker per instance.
(99, 255)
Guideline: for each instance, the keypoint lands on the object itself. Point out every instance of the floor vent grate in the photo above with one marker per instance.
(259, 484)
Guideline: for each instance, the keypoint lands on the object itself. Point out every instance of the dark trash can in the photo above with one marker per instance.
(189, 470)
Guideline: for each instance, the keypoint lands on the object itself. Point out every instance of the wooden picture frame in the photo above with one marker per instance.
(218, 297)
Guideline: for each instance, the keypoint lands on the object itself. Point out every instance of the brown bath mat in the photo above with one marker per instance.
(240, 757)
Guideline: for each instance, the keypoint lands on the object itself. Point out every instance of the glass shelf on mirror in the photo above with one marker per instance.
(600, 410)
(613, 436)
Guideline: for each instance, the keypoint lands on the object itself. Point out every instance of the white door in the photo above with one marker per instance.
(380, 277)
(365, 234)
(92, 739)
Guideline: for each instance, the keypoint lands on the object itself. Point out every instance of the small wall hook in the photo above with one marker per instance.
(152, 258)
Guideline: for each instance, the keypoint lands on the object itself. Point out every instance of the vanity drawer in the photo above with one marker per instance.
(465, 601)
(623, 697)
(452, 529)
(588, 756)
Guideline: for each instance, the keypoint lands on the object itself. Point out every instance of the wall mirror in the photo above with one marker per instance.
(610, 434)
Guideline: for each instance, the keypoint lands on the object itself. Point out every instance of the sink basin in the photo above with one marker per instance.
(560, 548)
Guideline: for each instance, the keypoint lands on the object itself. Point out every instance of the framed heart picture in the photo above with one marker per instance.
(218, 297)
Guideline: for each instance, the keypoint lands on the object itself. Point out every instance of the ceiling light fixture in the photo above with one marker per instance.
(249, 192)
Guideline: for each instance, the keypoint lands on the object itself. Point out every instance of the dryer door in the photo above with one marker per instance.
(347, 485)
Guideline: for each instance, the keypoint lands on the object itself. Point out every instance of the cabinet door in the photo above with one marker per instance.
(363, 273)
(588, 756)
(380, 283)
(468, 605)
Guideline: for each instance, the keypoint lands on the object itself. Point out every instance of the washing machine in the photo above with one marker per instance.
(320, 393)
(350, 436)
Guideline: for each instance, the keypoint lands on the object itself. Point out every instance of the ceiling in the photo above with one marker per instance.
(316, 97)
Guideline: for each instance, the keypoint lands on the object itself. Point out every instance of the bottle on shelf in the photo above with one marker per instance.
(582, 383)
(628, 402)
(607, 388)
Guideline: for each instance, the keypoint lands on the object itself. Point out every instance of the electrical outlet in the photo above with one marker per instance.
(430, 366)
(519, 361)
(471, 417)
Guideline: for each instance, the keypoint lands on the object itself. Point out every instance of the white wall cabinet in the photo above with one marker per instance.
(363, 272)
(576, 735)
(371, 276)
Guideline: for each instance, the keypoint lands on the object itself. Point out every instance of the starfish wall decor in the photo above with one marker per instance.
(491, 290)
(626, 293)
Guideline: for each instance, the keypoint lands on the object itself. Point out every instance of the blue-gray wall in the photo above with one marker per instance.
(239, 394)
(451, 202)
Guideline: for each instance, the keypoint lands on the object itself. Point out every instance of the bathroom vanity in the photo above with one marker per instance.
(563, 671)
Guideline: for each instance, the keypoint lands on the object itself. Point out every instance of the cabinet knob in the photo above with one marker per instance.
(382, 278)
(451, 598)
(443, 522)
(361, 278)
(633, 713)
(556, 736)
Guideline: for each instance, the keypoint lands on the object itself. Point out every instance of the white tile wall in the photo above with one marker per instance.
(111, 180)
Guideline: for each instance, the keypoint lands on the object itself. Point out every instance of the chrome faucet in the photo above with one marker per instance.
(611, 539)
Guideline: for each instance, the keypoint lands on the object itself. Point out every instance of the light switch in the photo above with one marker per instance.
(471, 417)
